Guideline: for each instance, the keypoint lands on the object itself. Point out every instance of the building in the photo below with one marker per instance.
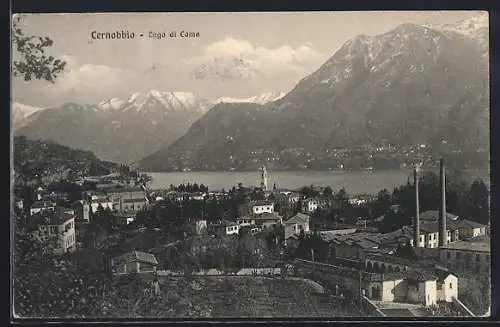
(296, 224)
(361, 200)
(429, 234)
(55, 228)
(256, 208)
(473, 255)
(408, 287)
(124, 219)
(310, 205)
(250, 229)
(19, 203)
(264, 220)
(82, 210)
(103, 201)
(128, 199)
(353, 246)
(201, 226)
(40, 206)
(134, 262)
(470, 229)
(329, 235)
(223, 228)
(131, 205)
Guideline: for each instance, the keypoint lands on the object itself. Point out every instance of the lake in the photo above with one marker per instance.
(353, 181)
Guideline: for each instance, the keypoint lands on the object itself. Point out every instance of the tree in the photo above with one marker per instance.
(328, 192)
(33, 63)
(341, 197)
(478, 204)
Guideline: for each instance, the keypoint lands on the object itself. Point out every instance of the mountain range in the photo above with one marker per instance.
(412, 85)
(120, 130)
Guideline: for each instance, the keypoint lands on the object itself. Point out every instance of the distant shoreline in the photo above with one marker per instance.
(308, 170)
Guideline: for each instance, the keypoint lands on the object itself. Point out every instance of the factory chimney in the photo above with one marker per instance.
(443, 236)
(416, 222)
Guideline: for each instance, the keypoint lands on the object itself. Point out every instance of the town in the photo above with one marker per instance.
(411, 252)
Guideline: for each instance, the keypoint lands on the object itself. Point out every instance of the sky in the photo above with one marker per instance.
(235, 55)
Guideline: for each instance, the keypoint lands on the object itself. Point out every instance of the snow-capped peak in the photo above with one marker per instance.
(473, 27)
(259, 99)
(112, 104)
(170, 100)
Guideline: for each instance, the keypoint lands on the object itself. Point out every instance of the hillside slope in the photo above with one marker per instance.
(412, 85)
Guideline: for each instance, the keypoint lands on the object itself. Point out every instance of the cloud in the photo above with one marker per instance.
(239, 59)
(88, 77)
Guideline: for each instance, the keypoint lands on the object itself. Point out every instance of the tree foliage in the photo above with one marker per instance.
(33, 63)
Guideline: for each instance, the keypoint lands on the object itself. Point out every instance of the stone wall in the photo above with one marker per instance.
(345, 281)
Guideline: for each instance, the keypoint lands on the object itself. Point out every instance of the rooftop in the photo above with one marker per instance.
(263, 216)
(59, 216)
(364, 240)
(469, 224)
(135, 256)
(480, 244)
(299, 218)
(434, 215)
(416, 275)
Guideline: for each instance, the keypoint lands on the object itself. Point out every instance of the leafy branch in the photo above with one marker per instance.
(34, 63)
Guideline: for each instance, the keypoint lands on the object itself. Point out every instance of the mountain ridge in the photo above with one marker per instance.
(410, 85)
(120, 130)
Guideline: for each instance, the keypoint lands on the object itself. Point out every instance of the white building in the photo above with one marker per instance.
(256, 208)
(262, 207)
(56, 229)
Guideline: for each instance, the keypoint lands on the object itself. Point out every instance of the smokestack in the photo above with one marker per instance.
(442, 208)
(416, 222)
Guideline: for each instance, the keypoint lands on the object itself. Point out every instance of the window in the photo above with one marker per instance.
(451, 285)
(458, 255)
(421, 238)
(478, 257)
(448, 254)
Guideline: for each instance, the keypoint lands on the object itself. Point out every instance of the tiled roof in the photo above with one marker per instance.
(429, 227)
(420, 275)
(389, 258)
(136, 256)
(469, 224)
(364, 240)
(299, 218)
(479, 244)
